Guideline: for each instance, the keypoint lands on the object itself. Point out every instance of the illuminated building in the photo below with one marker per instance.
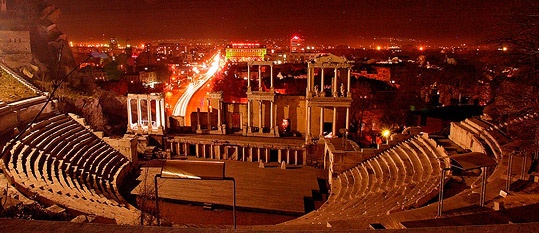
(113, 43)
(297, 44)
(240, 52)
(170, 49)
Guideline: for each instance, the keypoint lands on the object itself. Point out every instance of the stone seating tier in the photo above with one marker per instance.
(403, 177)
(60, 161)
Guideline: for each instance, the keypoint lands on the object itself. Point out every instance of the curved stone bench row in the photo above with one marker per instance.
(490, 135)
(61, 161)
(405, 176)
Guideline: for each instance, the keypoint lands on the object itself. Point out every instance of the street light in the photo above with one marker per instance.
(386, 133)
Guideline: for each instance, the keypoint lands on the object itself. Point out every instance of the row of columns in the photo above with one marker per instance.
(337, 92)
(261, 122)
(344, 92)
(160, 117)
(211, 151)
(260, 64)
(218, 98)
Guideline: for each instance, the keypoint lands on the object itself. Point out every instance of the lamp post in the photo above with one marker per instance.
(385, 134)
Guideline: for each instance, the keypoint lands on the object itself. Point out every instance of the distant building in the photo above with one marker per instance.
(302, 57)
(113, 43)
(148, 77)
(297, 44)
(241, 52)
(380, 73)
(170, 49)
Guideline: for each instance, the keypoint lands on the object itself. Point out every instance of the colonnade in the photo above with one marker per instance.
(340, 98)
(261, 97)
(246, 153)
(215, 101)
(147, 123)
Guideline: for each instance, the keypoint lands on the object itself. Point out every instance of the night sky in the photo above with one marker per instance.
(319, 21)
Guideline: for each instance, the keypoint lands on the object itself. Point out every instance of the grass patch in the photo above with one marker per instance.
(12, 90)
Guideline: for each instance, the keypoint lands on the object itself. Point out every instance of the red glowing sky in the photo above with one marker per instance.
(319, 21)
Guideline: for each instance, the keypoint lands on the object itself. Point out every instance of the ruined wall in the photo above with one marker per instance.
(15, 42)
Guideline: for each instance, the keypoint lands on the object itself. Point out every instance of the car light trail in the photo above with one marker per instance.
(181, 106)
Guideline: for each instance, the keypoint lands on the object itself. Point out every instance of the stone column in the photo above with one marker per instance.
(279, 155)
(267, 152)
(248, 77)
(163, 114)
(308, 135)
(295, 157)
(204, 150)
(322, 93)
(219, 106)
(139, 113)
(309, 73)
(249, 106)
(287, 156)
(218, 152)
(272, 115)
(334, 129)
(271, 77)
(197, 150)
(129, 114)
(178, 150)
(250, 157)
(321, 122)
(260, 116)
(157, 113)
(348, 85)
(259, 78)
(149, 109)
(334, 85)
(212, 151)
(259, 152)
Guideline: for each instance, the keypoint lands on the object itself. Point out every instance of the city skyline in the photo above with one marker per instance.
(319, 22)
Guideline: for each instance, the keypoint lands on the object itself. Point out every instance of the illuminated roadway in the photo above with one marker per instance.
(180, 108)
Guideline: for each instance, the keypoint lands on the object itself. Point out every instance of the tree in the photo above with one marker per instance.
(112, 71)
(516, 93)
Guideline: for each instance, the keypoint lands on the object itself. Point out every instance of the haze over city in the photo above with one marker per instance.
(333, 22)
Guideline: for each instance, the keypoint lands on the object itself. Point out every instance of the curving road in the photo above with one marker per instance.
(180, 108)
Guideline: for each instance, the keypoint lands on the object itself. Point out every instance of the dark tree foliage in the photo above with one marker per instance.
(32, 212)
(231, 84)
(516, 91)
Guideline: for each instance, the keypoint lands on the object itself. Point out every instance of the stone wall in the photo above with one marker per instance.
(465, 138)
(15, 47)
(127, 145)
(11, 115)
